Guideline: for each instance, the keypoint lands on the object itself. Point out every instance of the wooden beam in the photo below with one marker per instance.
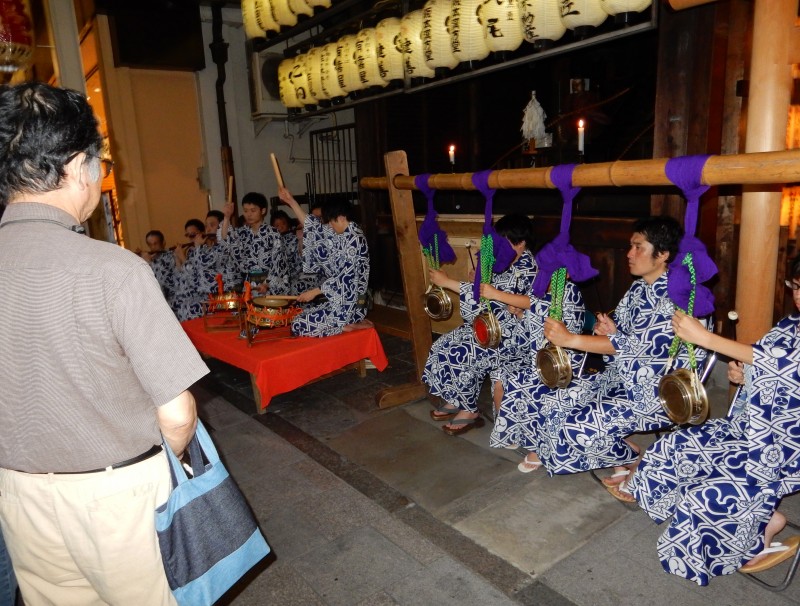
(412, 270)
(771, 167)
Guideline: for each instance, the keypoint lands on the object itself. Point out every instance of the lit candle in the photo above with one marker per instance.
(580, 136)
(452, 154)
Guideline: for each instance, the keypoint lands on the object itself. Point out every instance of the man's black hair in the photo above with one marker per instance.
(217, 214)
(42, 128)
(255, 199)
(201, 227)
(333, 209)
(158, 234)
(663, 232)
(517, 227)
(280, 214)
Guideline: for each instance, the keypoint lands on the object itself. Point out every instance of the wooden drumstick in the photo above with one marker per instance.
(733, 317)
(230, 189)
(277, 170)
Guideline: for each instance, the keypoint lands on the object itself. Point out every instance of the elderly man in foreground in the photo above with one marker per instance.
(95, 369)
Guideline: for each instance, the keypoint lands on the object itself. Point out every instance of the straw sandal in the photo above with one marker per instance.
(463, 425)
(776, 553)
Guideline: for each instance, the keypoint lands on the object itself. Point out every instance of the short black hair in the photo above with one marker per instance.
(663, 232)
(516, 228)
(155, 232)
(195, 223)
(217, 214)
(333, 209)
(42, 128)
(280, 214)
(255, 198)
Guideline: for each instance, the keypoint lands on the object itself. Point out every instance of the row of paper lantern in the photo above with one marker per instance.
(261, 16)
(442, 34)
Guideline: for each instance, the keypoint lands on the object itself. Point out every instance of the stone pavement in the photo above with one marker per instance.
(379, 507)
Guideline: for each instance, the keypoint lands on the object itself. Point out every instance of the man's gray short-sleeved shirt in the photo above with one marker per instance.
(88, 347)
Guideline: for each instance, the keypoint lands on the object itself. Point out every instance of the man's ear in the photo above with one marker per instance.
(74, 171)
(663, 256)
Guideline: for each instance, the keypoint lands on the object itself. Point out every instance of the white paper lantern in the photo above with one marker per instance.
(435, 35)
(251, 29)
(319, 3)
(622, 10)
(367, 58)
(467, 40)
(301, 7)
(346, 70)
(502, 25)
(284, 15)
(298, 76)
(413, 53)
(285, 86)
(390, 50)
(314, 65)
(265, 17)
(582, 15)
(541, 22)
(330, 80)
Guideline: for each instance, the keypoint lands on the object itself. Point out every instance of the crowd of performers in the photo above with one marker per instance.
(716, 486)
(321, 257)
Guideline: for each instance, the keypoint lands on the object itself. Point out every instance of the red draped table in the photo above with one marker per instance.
(281, 363)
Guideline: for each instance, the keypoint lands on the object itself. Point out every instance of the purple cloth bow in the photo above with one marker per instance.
(559, 252)
(504, 253)
(429, 231)
(686, 172)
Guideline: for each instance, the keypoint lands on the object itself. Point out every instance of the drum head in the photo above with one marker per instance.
(438, 305)
(487, 330)
(683, 397)
(269, 302)
(554, 367)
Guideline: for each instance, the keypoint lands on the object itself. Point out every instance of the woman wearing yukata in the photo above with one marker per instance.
(457, 364)
(337, 247)
(722, 482)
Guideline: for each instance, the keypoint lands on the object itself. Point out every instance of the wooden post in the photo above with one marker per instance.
(767, 115)
(405, 228)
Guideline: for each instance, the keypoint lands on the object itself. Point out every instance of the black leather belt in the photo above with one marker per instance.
(137, 459)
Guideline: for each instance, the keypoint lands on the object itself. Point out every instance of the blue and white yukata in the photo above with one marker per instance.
(531, 414)
(457, 365)
(163, 266)
(257, 254)
(344, 260)
(722, 481)
(298, 281)
(623, 399)
(196, 279)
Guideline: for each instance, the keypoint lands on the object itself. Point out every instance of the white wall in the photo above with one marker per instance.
(251, 141)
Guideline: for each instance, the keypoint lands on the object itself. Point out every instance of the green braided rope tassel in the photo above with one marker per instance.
(487, 260)
(557, 285)
(676, 342)
(431, 253)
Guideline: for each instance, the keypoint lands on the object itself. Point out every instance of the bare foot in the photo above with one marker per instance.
(358, 326)
(530, 463)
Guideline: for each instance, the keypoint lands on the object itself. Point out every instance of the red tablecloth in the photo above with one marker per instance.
(285, 363)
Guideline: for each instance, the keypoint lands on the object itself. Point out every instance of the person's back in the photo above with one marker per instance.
(95, 373)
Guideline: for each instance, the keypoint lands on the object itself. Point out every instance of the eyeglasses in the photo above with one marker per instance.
(106, 165)
(791, 284)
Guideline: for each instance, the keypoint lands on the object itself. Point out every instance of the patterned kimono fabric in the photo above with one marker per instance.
(344, 261)
(318, 241)
(298, 281)
(163, 266)
(722, 481)
(456, 364)
(196, 279)
(531, 414)
(257, 253)
(623, 399)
